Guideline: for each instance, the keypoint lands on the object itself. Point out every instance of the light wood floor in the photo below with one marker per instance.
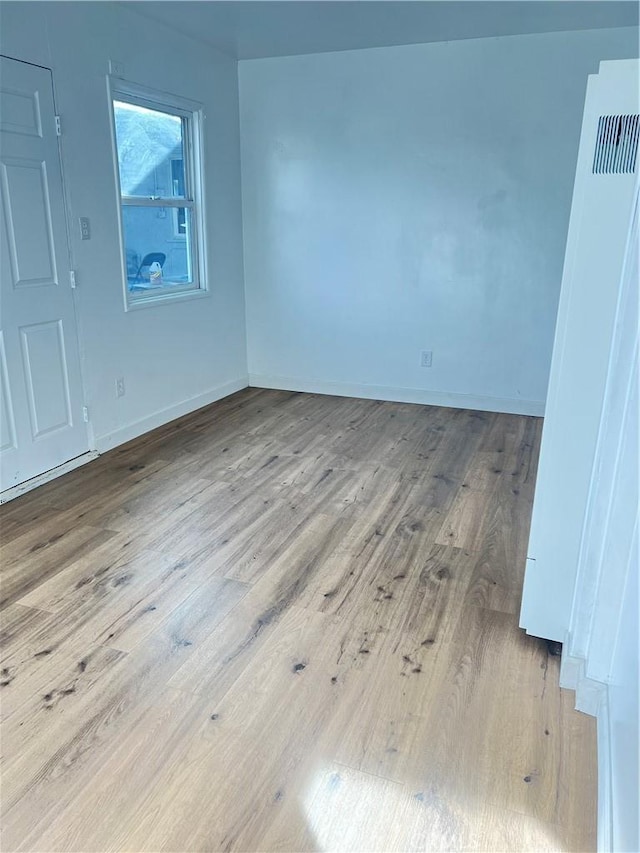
(287, 622)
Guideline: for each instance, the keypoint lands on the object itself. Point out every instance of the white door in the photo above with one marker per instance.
(41, 423)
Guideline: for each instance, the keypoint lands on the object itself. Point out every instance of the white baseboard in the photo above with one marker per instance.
(589, 695)
(589, 692)
(592, 697)
(398, 395)
(126, 433)
(164, 416)
(605, 786)
(41, 479)
(571, 668)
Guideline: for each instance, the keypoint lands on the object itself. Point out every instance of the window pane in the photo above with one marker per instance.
(150, 151)
(153, 243)
(177, 178)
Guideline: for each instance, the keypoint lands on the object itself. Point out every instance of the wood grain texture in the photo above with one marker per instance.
(287, 622)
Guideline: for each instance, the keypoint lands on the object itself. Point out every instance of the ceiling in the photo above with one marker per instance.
(248, 29)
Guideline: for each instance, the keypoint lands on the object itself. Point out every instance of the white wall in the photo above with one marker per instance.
(395, 199)
(601, 652)
(581, 582)
(408, 198)
(600, 217)
(624, 713)
(172, 357)
(609, 629)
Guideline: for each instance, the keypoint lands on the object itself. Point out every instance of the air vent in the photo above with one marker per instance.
(616, 145)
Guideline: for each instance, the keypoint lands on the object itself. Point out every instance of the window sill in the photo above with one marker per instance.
(169, 297)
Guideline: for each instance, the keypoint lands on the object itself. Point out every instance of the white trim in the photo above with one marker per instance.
(592, 697)
(605, 787)
(573, 676)
(570, 666)
(589, 695)
(164, 416)
(399, 395)
(167, 295)
(155, 99)
(41, 479)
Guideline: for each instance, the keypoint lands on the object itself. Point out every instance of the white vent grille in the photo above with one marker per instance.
(616, 145)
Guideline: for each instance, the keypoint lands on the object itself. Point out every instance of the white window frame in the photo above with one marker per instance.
(178, 237)
(119, 89)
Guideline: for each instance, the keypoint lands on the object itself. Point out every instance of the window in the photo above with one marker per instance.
(157, 152)
(179, 213)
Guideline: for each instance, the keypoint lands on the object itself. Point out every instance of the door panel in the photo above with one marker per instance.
(20, 112)
(40, 385)
(28, 214)
(46, 374)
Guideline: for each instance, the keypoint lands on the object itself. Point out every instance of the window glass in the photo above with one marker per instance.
(158, 206)
(150, 151)
(149, 238)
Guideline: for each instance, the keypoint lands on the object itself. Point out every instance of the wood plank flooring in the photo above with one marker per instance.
(287, 622)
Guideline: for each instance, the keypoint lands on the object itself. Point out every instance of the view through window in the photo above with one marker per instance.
(154, 151)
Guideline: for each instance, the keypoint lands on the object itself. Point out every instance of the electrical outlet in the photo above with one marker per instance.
(426, 357)
(120, 387)
(85, 228)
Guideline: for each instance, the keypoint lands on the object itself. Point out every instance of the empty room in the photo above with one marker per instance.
(319, 438)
